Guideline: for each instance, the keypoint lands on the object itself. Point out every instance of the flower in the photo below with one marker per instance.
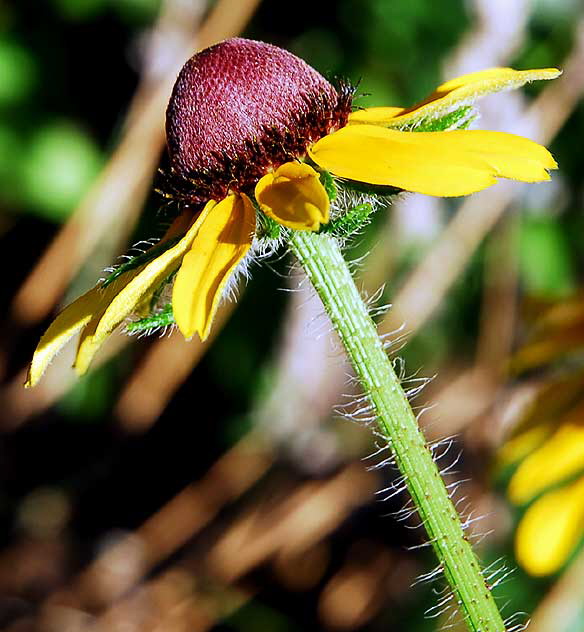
(549, 481)
(547, 448)
(251, 129)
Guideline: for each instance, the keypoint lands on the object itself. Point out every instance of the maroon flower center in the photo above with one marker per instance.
(239, 108)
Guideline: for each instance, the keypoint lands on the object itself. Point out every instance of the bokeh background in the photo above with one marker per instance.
(184, 487)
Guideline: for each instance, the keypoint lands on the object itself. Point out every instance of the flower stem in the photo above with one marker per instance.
(321, 258)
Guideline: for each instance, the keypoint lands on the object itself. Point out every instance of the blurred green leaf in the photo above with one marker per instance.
(322, 48)
(376, 90)
(79, 9)
(10, 162)
(91, 395)
(545, 264)
(18, 71)
(62, 161)
(142, 11)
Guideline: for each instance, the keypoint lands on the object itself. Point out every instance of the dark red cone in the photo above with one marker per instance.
(241, 107)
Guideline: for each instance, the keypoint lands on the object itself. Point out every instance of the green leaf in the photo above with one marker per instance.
(350, 222)
(328, 182)
(62, 162)
(459, 119)
(162, 318)
(266, 227)
(545, 265)
(141, 259)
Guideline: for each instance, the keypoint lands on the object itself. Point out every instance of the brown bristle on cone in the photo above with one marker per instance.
(239, 108)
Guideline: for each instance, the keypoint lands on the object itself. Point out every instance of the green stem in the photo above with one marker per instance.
(324, 264)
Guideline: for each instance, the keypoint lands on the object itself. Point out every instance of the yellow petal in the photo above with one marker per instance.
(222, 242)
(477, 84)
(294, 196)
(519, 447)
(550, 530)
(435, 163)
(70, 321)
(559, 458)
(452, 95)
(375, 116)
(126, 301)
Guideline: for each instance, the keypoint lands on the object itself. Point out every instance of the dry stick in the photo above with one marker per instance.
(117, 196)
(497, 320)
(166, 365)
(174, 524)
(464, 396)
(497, 33)
(292, 524)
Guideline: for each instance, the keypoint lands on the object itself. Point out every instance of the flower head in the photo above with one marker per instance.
(253, 132)
(240, 109)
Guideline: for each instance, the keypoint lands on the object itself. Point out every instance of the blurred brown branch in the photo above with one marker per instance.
(174, 524)
(166, 365)
(280, 529)
(561, 608)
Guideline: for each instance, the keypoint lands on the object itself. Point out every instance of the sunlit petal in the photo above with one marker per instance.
(128, 300)
(558, 459)
(550, 530)
(435, 163)
(222, 242)
(451, 95)
(294, 196)
(375, 116)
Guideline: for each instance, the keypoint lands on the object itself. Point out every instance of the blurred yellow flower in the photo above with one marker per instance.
(551, 478)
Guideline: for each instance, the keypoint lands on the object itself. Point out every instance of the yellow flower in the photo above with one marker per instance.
(550, 481)
(243, 120)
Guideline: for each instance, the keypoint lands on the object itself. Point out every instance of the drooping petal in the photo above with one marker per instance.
(551, 529)
(222, 242)
(126, 301)
(558, 459)
(69, 322)
(294, 196)
(435, 163)
(452, 95)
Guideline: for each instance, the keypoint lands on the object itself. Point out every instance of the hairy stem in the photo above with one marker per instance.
(324, 264)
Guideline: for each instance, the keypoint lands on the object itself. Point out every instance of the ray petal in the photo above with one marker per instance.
(223, 240)
(435, 163)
